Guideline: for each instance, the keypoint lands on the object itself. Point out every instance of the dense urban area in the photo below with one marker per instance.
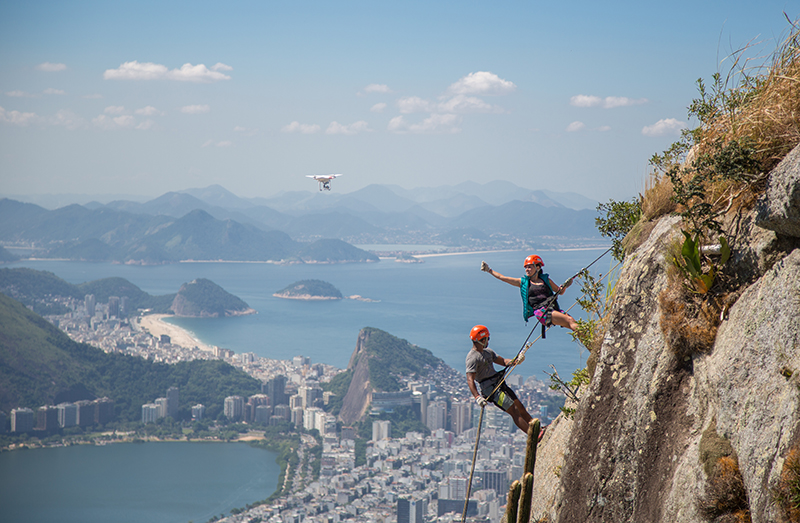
(410, 477)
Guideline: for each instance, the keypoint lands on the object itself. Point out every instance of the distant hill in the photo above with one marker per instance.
(39, 364)
(105, 234)
(334, 251)
(377, 361)
(309, 290)
(31, 287)
(212, 223)
(204, 298)
(6, 256)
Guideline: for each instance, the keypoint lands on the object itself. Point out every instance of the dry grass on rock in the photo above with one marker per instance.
(786, 493)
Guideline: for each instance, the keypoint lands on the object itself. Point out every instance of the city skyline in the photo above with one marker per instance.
(144, 98)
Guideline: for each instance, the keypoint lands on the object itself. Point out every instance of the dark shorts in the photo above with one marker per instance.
(504, 397)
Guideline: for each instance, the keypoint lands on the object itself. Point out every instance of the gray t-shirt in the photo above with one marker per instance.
(481, 363)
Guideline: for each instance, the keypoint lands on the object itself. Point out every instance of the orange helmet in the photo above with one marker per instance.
(533, 259)
(478, 332)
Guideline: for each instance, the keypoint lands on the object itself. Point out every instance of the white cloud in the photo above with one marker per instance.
(575, 126)
(68, 119)
(415, 104)
(125, 120)
(378, 108)
(297, 127)
(53, 91)
(219, 66)
(51, 68)
(377, 88)
(467, 104)
(108, 122)
(604, 128)
(622, 101)
(92, 96)
(664, 127)
(20, 94)
(114, 109)
(195, 109)
(223, 143)
(482, 83)
(609, 102)
(435, 124)
(145, 125)
(245, 131)
(103, 121)
(582, 100)
(148, 111)
(18, 118)
(353, 128)
(150, 71)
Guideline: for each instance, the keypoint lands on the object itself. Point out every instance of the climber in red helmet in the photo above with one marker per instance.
(536, 287)
(480, 369)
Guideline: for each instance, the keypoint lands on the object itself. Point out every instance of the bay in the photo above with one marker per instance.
(173, 482)
(432, 304)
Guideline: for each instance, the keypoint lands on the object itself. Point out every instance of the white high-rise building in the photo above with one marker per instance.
(22, 420)
(381, 430)
(437, 415)
(234, 408)
(150, 412)
(461, 416)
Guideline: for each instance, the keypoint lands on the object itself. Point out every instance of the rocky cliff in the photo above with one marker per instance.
(656, 427)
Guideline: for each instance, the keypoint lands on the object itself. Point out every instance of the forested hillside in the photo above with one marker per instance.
(40, 365)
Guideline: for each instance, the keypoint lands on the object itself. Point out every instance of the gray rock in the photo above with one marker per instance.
(779, 207)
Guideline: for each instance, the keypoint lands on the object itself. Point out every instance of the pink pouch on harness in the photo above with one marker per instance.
(541, 315)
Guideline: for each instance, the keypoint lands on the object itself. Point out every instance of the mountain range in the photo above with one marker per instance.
(212, 223)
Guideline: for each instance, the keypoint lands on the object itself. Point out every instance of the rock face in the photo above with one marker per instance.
(779, 211)
(637, 449)
(359, 395)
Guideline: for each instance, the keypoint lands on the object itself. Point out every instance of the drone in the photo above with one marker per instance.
(324, 180)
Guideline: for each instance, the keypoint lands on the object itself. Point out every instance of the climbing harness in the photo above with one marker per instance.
(505, 372)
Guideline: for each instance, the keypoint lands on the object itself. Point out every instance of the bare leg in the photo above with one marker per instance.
(564, 320)
(520, 416)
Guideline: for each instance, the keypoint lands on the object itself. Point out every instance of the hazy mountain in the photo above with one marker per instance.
(334, 251)
(530, 220)
(104, 234)
(219, 196)
(329, 225)
(199, 236)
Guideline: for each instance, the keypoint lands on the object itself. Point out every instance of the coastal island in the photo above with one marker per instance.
(310, 290)
(203, 298)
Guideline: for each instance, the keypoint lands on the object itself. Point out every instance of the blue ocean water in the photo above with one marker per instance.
(128, 483)
(432, 304)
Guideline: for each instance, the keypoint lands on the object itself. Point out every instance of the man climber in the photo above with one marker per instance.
(480, 368)
(536, 287)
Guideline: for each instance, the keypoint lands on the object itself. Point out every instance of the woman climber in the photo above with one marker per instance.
(537, 289)
(480, 369)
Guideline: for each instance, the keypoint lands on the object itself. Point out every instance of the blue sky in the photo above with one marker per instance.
(141, 98)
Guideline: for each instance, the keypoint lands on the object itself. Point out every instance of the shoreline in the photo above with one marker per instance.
(156, 326)
(566, 249)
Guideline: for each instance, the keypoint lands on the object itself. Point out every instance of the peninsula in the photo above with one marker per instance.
(310, 290)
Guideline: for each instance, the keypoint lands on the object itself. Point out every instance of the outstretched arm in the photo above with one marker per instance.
(516, 282)
(560, 290)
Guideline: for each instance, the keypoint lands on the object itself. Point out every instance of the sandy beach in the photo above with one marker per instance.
(156, 326)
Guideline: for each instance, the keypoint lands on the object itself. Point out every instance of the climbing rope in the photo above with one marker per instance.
(525, 346)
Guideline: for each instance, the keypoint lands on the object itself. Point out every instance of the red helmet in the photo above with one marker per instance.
(478, 332)
(533, 259)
